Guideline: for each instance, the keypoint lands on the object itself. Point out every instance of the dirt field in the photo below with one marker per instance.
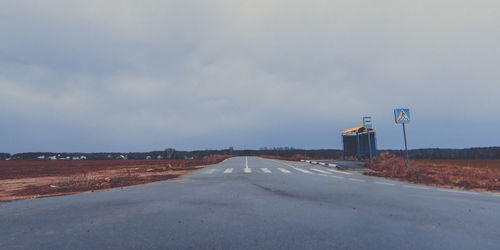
(33, 179)
(481, 175)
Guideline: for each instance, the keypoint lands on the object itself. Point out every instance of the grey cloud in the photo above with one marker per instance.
(140, 75)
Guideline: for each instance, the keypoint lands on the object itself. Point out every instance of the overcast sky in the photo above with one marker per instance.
(87, 76)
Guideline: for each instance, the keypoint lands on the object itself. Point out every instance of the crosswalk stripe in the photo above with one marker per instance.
(210, 171)
(247, 170)
(321, 171)
(303, 170)
(265, 170)
(336, 171)
(229, 170)
(284, 170)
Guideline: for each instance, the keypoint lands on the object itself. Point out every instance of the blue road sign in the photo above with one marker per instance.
(367, 122)
(402, 116)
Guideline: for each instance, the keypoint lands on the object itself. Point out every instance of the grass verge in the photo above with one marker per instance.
(453, 174)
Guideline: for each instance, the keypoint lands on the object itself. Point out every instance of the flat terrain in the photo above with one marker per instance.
(32, 179)
(487, 163)
(483, 175)
(263, 204)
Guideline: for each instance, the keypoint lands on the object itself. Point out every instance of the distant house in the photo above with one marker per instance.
(159, 157)
(53, 158)
(83, 157)
(41, 157)
(122, 157)
(75, 158)
(148, 157)
(7, 159)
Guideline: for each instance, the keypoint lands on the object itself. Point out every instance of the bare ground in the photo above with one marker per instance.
(35, 179)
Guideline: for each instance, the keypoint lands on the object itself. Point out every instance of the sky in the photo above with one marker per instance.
(92, 76)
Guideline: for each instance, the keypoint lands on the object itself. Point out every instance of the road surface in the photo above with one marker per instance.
(254, 203)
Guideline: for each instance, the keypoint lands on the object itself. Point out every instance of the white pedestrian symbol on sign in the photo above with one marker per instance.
(403, 116)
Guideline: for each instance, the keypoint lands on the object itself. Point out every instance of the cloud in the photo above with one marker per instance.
(143, 75)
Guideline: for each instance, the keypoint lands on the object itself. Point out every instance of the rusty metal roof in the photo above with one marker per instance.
(355, 130)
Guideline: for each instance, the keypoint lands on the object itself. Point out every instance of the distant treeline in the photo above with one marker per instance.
(432, 153)
(437, 153)
(173, 154)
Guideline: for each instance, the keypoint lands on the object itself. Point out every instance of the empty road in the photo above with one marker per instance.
(255, 203)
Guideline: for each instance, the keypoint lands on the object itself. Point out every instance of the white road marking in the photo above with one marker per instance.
(303, 170)
(210, 171)
(384, 183)
(322, 163)
(356, 180)
(284, 170)
(336, 171)
(338, 177)
(455, 191)
(416, 187)
(294, 167)
(321, 171)
(332, 165)
(265, 170)
(322, 174)
(229, 170)
(247, 169)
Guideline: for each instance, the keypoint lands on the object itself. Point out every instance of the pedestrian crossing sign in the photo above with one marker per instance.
(402, 116)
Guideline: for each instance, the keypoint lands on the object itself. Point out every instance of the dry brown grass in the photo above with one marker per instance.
(33, 179)
(296, 157)
(448, 173)
(89, 183)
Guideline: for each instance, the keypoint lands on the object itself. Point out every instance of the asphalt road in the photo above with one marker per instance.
(267, 205)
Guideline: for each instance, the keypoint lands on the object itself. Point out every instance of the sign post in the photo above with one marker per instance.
(367, 123)
(402, 116)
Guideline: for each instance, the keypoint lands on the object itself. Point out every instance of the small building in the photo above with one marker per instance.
(358, 142)
(148, 157)
(53, 158)
(41, 157)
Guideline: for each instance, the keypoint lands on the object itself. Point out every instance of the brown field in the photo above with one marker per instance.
(487, 163)
(481, 175)
(33, 179)
(293, 158)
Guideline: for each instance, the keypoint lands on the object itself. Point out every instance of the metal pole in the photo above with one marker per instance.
(370, 146)
(406, 147)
